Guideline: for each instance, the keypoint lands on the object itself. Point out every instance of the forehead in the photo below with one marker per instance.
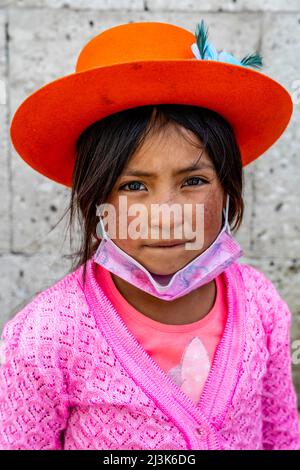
(172, 145)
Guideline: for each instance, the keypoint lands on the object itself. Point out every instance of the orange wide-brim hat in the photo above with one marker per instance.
(138, 64)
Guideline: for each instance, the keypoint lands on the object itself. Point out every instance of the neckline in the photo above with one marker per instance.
(119, 301)
(220, 384)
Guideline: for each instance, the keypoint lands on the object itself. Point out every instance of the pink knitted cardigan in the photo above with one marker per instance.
(74, 377)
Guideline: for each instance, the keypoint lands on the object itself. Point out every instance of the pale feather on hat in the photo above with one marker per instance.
(205, 50)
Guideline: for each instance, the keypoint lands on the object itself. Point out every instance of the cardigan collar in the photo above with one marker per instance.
(220, 384)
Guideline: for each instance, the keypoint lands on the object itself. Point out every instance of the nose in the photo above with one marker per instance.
(164, 217)
(166, 196)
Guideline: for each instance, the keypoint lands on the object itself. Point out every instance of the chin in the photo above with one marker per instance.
(166, 269)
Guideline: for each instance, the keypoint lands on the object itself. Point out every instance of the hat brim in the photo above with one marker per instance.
(46, 126)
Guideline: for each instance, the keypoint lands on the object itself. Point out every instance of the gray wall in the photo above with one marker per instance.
(40, 41)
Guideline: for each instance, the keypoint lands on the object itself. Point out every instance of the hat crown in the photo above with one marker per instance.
(135, 42)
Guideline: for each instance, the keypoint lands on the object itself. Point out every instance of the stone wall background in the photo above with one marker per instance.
(40, 41)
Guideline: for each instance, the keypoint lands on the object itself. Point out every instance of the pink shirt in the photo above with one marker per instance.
(184, 352)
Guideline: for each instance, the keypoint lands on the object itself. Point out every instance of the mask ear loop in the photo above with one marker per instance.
(226, 215)
(100, 226)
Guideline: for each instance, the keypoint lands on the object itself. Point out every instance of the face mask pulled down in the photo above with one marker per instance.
(199, 271)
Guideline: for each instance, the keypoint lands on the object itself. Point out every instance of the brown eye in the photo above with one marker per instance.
(133, 184)
(195, 180)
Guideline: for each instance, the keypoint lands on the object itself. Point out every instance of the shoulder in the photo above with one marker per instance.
(50, 319)
(254, 277)
(263, 295)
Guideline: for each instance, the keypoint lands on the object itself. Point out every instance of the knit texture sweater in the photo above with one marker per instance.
(74, 377)
(185, 352)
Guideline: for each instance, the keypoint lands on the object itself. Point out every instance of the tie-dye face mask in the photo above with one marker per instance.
(201, 270)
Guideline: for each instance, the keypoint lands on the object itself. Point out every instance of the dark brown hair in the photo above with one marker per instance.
(104, 148)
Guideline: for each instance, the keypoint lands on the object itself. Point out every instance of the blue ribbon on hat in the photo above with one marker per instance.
(202, 49)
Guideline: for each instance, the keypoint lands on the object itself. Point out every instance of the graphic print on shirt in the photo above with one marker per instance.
(193, 369)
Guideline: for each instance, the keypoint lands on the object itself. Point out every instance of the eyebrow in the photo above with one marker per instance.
(193, 167)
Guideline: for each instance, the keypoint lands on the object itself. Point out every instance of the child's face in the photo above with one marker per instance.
(163, 154)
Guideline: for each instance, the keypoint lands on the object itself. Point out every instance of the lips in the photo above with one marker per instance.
(169, 244)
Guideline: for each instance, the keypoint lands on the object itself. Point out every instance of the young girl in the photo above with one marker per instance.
(146, 344)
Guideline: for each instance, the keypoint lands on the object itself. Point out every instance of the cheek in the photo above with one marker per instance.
(212, 220)
(209, 213)
(207, 218)
(123, 231)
